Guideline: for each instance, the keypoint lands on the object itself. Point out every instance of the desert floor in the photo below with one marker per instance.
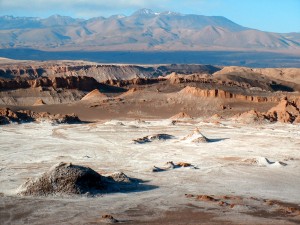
(251, 170)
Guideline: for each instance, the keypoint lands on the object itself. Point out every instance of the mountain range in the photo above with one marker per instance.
(143, 30)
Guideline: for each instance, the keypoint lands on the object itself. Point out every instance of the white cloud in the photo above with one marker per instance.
(93, 8)
(50, 4)
(79, 7)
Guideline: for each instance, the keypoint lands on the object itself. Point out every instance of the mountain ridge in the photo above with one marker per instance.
(142, 30)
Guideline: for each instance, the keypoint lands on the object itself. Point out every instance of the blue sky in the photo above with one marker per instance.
(267, 15)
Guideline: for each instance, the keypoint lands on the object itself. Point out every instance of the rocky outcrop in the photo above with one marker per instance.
(196, 137)
(39, 102)
(150, 138)
(203, 79)
(94, 95)
(13, 84)
(129, 92)
(69, 179)
(217, 93)
(286, 111)
(80, 83)
(64, 179)
(273, 79)
(134, 81)
(251, 117)
(8, 116)
(98, 71)
(286, 74)
(181, 115)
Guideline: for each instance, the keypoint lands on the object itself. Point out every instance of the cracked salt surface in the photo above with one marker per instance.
(261, 161)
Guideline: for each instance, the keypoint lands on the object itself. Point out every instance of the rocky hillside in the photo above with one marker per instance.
(143, 30)
(216, 93)
(72, 82)
(98, 71)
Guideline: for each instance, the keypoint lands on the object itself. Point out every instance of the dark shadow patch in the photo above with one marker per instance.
(155, 137)
(281, 87)
(212, 140)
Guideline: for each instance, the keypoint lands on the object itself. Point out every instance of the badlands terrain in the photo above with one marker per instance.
(90, 143)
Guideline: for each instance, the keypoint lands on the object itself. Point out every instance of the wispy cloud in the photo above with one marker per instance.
(92, 8)
(78, 6)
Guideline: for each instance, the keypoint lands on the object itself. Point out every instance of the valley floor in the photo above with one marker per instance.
(245, 174)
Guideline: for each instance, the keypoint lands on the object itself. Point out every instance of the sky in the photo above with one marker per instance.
(268, 15)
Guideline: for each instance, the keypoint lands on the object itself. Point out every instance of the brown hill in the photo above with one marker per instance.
(94, 96)
(129, 92)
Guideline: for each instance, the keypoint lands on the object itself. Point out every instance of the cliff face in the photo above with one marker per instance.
(72, 82)
(216, 93)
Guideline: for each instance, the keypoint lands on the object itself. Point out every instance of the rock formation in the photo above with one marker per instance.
(251, 116)
(7, 116)
(286, 111)
(171, 165)
(196, 137)
(108, 219)
(69, 179)
(21, 116)
(151, 138)
(181, 115)
(100, 72)
(217, 93)
(39, 102)
(64, 179)
(94, 95)
(129, 92)
(72, 82)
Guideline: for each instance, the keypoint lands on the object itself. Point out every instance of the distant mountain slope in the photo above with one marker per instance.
(143, 30)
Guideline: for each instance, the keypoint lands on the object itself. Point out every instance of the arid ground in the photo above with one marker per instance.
(192, 144)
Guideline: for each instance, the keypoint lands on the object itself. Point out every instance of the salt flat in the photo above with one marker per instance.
(261, 161)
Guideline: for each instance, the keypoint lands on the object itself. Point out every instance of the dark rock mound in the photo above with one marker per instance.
(69, 179)
(68, 118)
(7, 116)
(151, 138)
(65, 179)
